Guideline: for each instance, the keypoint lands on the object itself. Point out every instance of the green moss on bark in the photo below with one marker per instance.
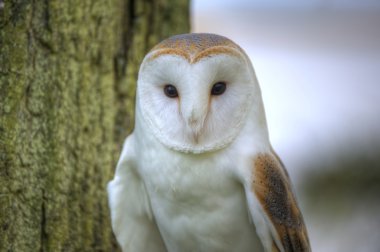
(67, 84)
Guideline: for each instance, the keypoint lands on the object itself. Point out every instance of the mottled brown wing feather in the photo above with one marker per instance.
(272, 187)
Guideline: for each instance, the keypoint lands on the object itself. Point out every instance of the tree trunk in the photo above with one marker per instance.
(67, 82)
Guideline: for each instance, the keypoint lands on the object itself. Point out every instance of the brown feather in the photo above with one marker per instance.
(196, 46)
(272, 187)
(275, 248)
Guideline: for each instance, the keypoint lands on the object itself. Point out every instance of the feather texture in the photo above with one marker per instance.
(131, 214)
(272, 187)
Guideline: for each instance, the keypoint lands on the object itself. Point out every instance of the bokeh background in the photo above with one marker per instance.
(318, 64)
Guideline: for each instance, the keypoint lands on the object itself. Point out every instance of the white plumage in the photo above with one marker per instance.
(198, 173)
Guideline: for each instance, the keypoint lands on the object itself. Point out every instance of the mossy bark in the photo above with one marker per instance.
(67, 82)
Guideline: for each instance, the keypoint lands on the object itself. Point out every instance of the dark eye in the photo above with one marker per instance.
(170, 91)
(218, 88)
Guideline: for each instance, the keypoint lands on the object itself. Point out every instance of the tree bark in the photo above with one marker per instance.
(67, 83)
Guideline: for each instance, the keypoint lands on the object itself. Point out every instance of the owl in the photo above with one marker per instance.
(198, 173)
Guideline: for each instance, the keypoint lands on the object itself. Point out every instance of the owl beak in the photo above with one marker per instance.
(195, 121)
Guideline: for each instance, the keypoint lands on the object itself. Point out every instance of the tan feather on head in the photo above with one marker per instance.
(195, 46)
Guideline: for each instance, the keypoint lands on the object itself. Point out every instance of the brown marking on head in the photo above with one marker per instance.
(273, 190)
(170, 51)
(196, 46)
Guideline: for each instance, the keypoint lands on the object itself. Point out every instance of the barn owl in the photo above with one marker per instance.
(198, 173)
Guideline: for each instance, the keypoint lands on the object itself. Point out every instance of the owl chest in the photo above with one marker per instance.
(197, 204)
(186, 180)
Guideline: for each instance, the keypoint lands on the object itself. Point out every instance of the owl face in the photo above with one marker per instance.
(194, 92)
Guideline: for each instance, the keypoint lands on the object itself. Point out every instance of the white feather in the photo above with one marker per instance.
(131, 214)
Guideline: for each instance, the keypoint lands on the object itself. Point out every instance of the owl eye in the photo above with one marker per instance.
(218, 88)
(170, 91)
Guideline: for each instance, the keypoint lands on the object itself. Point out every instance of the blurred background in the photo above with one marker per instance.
(318, 64)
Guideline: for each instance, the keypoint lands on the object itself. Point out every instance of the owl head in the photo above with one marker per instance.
(195, 92)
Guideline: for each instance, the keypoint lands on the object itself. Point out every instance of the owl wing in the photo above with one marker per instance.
(131, 215)
(273, 207)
